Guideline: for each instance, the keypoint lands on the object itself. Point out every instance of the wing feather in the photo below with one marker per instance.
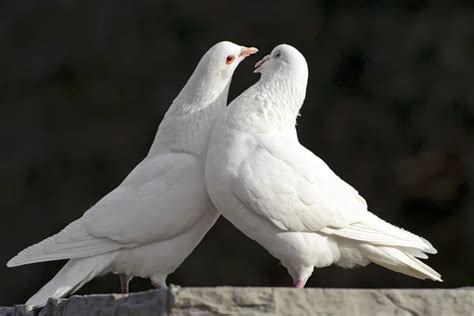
(72, 242)
(295, 190)
(163, 196)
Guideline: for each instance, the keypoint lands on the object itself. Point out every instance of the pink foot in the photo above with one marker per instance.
(124, 281)
(299, 284)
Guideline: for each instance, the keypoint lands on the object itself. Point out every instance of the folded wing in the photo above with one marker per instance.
(294, 189)
(163, 196)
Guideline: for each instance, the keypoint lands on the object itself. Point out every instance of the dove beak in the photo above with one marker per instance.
(247, 51)
(259, 64)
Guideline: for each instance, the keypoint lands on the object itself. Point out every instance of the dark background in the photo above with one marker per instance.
(390, 107)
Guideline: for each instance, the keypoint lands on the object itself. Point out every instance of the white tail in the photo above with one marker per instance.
(74, 274)
(399, 260)
(389, 246)
(72, 242)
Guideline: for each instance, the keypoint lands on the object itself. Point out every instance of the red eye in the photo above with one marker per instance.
(229, 59)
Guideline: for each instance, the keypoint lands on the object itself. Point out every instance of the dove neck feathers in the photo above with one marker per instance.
(273, 103)
(187, 124)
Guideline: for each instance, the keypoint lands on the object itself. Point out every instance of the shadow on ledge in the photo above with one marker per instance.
(262, 301)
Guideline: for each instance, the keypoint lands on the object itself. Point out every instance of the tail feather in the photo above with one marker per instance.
(389, 246)
(399, 260)
(375, 230)
(72, 242)
(74, 274)
(416, 253)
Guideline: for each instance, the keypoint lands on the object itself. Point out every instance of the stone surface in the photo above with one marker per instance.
(262, 301)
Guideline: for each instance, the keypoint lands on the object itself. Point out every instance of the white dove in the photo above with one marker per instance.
(287, 199)
(153, 220)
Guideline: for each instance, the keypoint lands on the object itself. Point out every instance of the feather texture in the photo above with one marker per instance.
(74, 274)
(72, 242)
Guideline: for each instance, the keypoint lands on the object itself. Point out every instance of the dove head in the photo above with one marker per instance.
(222, 58)
(284, 60)
(284, 76)
(215, 69)
(189, 120)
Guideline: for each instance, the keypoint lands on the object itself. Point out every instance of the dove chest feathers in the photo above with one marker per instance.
(257, 115)
(267, 107)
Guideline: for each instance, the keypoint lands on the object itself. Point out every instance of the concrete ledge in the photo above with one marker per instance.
(263, 301)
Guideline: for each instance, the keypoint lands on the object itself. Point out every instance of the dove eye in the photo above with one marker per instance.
(229, 59)
(277, 54)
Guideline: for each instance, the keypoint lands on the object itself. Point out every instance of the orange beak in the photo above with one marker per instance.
(247, 51)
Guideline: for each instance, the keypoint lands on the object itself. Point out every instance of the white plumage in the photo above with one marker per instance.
(152, 221)
(287, 199)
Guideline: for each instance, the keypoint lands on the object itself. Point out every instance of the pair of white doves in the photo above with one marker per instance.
(246, 161)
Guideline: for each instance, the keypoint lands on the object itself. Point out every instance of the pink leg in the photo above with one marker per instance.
(159, 282)
(124, 281)
(299, 284)
(158, 285)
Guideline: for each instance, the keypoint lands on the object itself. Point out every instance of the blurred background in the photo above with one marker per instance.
(390, 107)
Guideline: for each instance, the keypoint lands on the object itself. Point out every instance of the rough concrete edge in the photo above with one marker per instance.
(154, 302)
(321, 301)
(226, 300)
